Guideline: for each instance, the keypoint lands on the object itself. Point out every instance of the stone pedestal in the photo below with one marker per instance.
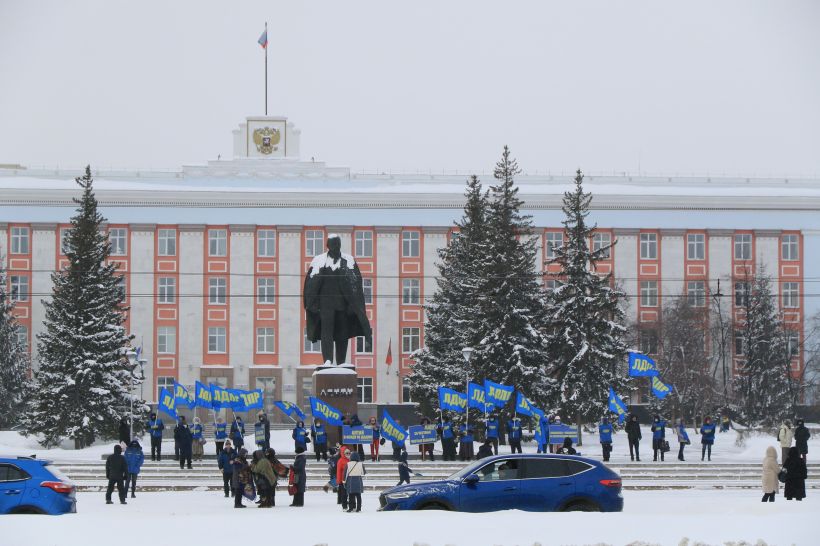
(336, 385)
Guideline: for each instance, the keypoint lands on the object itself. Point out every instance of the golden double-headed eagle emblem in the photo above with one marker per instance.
(266, 139)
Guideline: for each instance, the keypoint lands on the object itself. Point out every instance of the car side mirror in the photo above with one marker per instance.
(472, 479)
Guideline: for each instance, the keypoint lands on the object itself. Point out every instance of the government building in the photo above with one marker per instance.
(213, 256)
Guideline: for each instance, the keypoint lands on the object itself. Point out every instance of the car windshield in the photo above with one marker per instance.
(467, 470)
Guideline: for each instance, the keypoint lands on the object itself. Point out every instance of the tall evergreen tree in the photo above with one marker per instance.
(586, 321)
(761, 384)
(14, 361)
(83, 384)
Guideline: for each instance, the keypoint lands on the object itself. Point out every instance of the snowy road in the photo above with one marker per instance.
(656, 517)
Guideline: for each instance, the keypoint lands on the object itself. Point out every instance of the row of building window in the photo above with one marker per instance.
(696, 294)
(648, 343)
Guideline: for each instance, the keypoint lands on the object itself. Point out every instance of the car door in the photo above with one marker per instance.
(496, 488)
(12, 487)
(545, 484)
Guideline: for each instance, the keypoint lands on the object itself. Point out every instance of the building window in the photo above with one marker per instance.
(410, 339)
(367, 289)
(268, 386)
(365, 390)
(118, 238)
(696, 246)
(121, 288)
(266, 243)
(696, 293)
(265, 290)
(410, 291)
(166, 383)
(602, 242)
(19, 288)
(790, 247)
(216, 339)
(314, 242)
(405, 390)
(740, 344)
(649, 246)
(790, 295)
(364, 244)
(167, 239)
(741, 294)
(167, 289)
(217, 290)
(793, 344)
(310, 346)
(22, 336)
(649, 293)
(648, 342)
(265, 340)
(743, 246)
(552, 284)
(554, 240)
(64, 233)
(217, 242)
(364, 345)
(410, 244)
(166, 340)
(20, 240)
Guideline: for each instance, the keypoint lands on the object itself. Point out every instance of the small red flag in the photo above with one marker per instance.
(389, 359)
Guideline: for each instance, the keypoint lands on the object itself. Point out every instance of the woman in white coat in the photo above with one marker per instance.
(771, 486)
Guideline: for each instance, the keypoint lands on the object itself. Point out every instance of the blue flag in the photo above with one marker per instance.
(289, 408)
(451, 400)
(251, 399)
(496, 393)
(202, 396)
(523, 405)
(476, 398)
(538, 433)
(223, 398)
(616, 405)
(323, 410)
(641, 365)
(659, 388)
(167, 403)
(183, 397)
(391, 430)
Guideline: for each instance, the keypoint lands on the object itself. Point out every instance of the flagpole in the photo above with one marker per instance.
(266, 68)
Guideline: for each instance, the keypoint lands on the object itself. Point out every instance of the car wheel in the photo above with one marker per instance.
(27, 510)
(582, 507)
(433, 506)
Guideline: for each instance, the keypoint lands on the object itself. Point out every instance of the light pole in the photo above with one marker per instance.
(132, 359)
(468, 354)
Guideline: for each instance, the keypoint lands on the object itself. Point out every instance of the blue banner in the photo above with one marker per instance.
(641, 365)
(223, 398)
(559, 432)
(616, 405)
(451, 400)
(289, 408)
(183, 397)
(202, 396)
(356, 435)
(325, 412)
(423, 434)
(538, 434)
(496, 393)
(476, 398)
(391, 430)
(251, 399)
(523, 405)
(659, 388)
(167, 403)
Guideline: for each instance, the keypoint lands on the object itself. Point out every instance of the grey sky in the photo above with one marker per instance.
(693, 87)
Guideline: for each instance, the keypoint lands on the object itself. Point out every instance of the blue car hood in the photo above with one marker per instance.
(427, 488)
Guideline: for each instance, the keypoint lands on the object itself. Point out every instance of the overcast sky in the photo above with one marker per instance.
(607, 86)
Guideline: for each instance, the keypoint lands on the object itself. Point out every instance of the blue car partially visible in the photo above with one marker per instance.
(34, 486)
(531, 482)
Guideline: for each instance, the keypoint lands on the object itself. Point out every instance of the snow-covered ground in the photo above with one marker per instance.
(651, 517)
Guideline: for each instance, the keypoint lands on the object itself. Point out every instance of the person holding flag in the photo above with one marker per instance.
(237, 432)
(220, 434)
(514, 434)
(448, 441)
(466, 447)
(300, 436)
(155, 428)
(491, 431)
(605, 435)
(198, 440)
(319, 435)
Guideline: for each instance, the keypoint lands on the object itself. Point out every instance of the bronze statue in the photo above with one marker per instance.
(334, 301)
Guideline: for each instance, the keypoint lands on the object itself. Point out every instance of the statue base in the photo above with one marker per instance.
(338, 386)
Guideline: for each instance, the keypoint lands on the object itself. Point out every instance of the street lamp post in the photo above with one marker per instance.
(132, 359)
(467, 352)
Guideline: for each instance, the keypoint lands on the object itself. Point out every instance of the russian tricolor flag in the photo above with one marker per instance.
(263, 40)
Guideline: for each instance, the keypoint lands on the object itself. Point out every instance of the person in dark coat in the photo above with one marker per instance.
(185, 440)
(261, 431)
(225, 463)
(238, 432)
(485, 449)
(279, 471)
(240, 468)
(801, 438)
(134, 458)
(116, 472)
(566, 448)
(300, 477)
(658, 437)
(707, 438)
(155, 428)
(124, 432)
(448, 441)
(796, 474)
(354, 483)
(633, 435)
(404, 468)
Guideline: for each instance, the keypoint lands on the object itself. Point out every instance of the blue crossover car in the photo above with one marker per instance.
(34, 486)
(537, 483)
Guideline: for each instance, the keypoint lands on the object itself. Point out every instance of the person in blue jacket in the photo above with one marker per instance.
(707, 438)
(514, 434)
(491, 432)
(155, 428)
(605, 436)
(544, 443)
(683, 438)
(404, 468)
(134, 458)
(319, 435)
(220, 434)
(466, 447)
(448, 440)
(225, 463)
(198, 436)
(300, 436)
(658, 436)
(237, 432)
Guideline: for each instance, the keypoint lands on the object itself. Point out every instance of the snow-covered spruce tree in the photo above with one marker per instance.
(83, 382)
(761, 385)
(14, 361)
(452, 320)
(585, 319)
(513, 348)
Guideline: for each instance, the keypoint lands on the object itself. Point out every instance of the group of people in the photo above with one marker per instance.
(660, 445)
